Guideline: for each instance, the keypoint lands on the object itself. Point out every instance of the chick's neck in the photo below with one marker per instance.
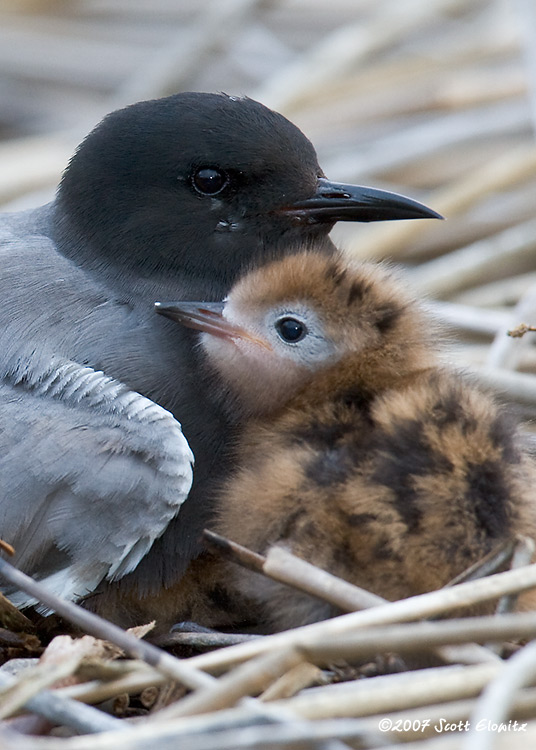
(368, 374)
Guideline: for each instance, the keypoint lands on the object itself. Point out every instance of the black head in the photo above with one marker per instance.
(200, 185)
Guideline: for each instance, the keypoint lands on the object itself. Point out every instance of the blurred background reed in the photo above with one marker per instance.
(433, 98)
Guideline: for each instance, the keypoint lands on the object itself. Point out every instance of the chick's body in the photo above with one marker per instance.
(398, 501)
(368, 458)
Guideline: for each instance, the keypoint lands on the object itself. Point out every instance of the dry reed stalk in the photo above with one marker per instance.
(518, 386)
(472, 319)
(296, 679)
(172, 67)
(506, 291)
(344, 49)
(100, 628)
(424, 605)
(485, 260)
(505, 351)
(403, 638)
(436, 106)
(422, 636)
(499, 695)
(31, 164)
(250, 678)
(56, 708)
(15, 694)
(506, 170)
(393, 692)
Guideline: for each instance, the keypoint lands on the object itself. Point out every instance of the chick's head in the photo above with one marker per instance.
(292, 319)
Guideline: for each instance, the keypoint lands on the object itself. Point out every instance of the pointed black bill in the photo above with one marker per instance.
(202, 316)
(339, 202)
(207, 317)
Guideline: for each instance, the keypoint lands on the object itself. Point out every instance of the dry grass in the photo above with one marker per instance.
(262, 695)
(435, 99)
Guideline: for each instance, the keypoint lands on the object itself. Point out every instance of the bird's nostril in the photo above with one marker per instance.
(338, 196)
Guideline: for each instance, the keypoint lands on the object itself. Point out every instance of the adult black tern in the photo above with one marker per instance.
(165, 199)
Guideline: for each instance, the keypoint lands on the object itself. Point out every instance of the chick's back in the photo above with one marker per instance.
(397, 492)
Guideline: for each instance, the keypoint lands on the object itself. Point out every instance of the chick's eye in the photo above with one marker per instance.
(209, 180)
(291, 330)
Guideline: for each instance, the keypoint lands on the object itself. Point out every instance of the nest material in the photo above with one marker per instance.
(436, 99)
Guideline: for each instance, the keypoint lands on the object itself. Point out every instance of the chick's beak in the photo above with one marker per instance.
(207, 317)
(335, 201)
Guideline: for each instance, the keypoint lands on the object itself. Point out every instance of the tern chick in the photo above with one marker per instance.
(359, 450)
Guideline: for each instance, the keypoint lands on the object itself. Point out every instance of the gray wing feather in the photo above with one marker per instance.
(91, 474)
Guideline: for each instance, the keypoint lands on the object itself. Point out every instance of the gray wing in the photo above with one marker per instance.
(91, 474)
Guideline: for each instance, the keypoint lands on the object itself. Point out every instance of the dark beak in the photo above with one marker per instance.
(206, 317)
(338, 202)
(198, 315)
